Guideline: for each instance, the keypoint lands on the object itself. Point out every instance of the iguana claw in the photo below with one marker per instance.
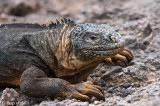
(82, 91)
(125, 56)
(128, 54)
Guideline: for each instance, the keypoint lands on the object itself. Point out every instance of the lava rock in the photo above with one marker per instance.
(102, 83)
(147, 31)
(107, 75)
(21, 7)
(125, 85)
(9, 97)
(130, 40)
(124, 93)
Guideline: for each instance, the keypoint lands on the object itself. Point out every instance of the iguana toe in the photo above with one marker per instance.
(109, 60)
(120, 58)
(128, 54)
(82, 91)
(125, 56)
(80, 96)
(88, 88)
(90, 84)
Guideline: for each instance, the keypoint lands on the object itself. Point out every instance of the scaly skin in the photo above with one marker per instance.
(52, 60)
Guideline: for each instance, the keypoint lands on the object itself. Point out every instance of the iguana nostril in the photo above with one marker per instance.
(113, 38)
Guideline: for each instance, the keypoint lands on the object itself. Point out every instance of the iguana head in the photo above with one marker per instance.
(81, 44)
(95, 42)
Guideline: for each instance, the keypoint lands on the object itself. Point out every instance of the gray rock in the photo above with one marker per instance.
(147, 30)
(107, 75)
(63, 103)
(130, 40)
(9, 97)
(21, 7)
(80, 104)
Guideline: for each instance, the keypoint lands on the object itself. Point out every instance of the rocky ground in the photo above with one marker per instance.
(136, 20)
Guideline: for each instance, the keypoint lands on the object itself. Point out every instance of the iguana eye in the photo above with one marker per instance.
(93, 39)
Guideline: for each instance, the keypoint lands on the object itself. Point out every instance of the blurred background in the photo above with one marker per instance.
(42, 11)
(124, 15)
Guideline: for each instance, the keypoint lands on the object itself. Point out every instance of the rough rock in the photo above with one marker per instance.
(20, 7)
(9, 97)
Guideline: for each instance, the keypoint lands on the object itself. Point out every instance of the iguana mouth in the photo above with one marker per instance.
(108, 52)
(107, 48)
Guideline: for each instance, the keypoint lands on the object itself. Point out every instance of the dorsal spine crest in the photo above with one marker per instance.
(62, 23)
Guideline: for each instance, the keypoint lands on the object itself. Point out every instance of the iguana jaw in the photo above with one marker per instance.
(98, 54)
(107, 53)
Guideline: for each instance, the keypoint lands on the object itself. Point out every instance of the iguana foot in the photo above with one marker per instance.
(82, 91)
(125, 56)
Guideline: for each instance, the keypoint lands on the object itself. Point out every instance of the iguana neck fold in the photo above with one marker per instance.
(53, 44)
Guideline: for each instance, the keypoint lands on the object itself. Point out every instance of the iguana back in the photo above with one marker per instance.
(15, 52)
(12, 33)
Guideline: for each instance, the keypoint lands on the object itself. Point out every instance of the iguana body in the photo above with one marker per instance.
(48, 60)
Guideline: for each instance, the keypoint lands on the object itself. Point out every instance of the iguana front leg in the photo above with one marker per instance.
(125, 56)
(35, 83)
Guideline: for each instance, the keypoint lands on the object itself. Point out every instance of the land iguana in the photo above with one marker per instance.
(52, 60)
